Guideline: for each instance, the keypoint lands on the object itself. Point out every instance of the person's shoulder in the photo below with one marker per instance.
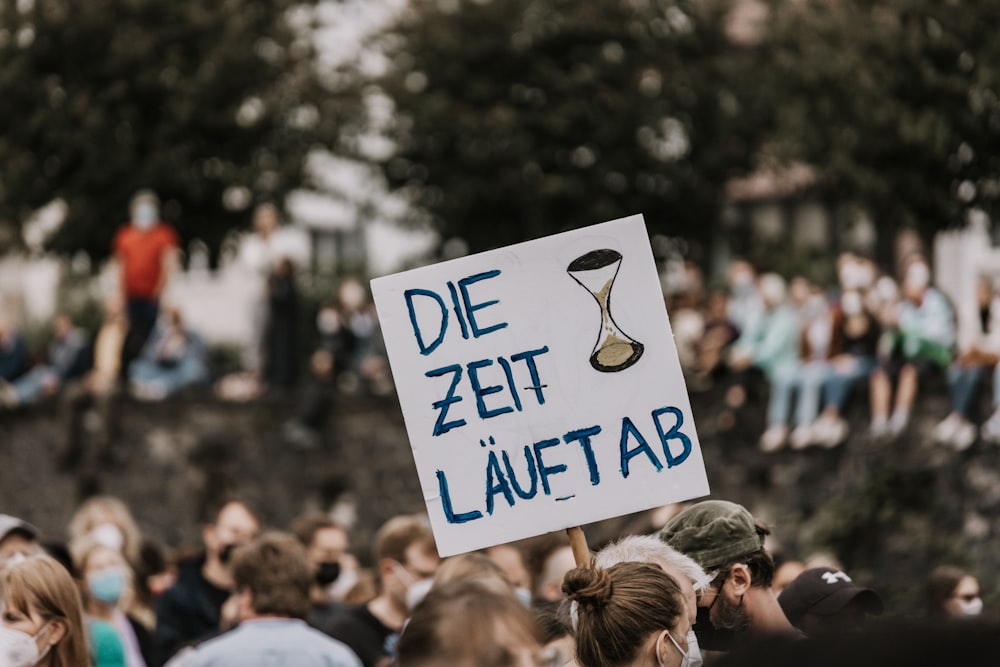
(167, 233)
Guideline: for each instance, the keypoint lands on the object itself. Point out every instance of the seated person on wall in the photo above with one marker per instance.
(13, 352)
(173, 359)
(978, 352)
(97, 388)
(67, 359)
(771, 343)
(921, 338)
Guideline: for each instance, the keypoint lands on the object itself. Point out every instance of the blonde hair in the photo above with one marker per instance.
(107, 509)
(42, 585)
(82, 549)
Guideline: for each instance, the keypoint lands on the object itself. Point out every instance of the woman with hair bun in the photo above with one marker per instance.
(629, 615)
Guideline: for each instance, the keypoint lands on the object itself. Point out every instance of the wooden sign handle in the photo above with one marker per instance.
(578, 542)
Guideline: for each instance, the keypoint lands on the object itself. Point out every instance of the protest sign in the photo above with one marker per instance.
(540, 386)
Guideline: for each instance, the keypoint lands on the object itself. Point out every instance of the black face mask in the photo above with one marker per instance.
(709, 637)
(226, 552)
(327, 573)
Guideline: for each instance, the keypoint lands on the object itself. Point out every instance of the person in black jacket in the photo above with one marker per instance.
(190, 610)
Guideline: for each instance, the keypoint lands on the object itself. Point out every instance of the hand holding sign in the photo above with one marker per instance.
(519, 422)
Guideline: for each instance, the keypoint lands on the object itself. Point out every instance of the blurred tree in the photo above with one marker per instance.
(511, 120)
(213, 105)
(896, 102)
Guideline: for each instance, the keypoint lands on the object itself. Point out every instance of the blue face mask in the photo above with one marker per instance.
(145, 216)
(107, 585)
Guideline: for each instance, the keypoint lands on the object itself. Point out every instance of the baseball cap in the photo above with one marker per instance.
(10, 524)
(824, 591)
(713, 533)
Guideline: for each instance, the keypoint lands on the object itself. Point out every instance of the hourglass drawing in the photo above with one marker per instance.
(596, 272)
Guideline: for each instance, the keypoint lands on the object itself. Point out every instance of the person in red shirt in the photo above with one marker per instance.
(146, 249)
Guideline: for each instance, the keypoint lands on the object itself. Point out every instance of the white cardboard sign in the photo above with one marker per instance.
(540, 386)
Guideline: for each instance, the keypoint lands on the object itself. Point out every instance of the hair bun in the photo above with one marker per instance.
(588, 586)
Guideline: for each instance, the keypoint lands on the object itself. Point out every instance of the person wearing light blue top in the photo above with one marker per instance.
(771, 343)
(272, 579)
(923, 337)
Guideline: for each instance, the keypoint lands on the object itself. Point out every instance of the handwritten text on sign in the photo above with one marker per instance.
(540, 386)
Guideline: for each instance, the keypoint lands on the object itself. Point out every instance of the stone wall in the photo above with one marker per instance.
(889, 510)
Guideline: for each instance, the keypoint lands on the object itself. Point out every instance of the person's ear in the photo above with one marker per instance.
(56, 630)
(660, 646)
(740, 577)
(386, 567)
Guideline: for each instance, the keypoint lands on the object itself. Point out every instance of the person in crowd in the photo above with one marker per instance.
(558, 640)
(771, 343)
(334, 334)
(465, 623)
(272, 578)
(327, 551)
(548, 557)
(824, 600)
(42, 620)
(728, 542)
(13, 352)
(315, 405)
(629, 615)
(147, 251)
(190, 610)
(690, 577)
(67, 360)
(744, 304)
(853, 357)
(259, 254)
(785, 573)
(107, 584)
(281, 332)
(108, 521)
(953, 593)
(815, 345)
(405, 555)
(173, 359)
(977, 355)
(18, 540)
(471, 566)
(718, 335)
(510, 558)
(97, 389)
(923, 338)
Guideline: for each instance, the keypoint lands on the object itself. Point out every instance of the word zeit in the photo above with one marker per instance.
(503, 481)
(465, 309)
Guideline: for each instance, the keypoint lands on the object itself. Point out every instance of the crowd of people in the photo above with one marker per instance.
(819, 348)
(145, 349)
(703, 589)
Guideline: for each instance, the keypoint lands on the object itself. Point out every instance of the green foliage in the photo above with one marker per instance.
(101, 98)
(895, 102)
(521, 118)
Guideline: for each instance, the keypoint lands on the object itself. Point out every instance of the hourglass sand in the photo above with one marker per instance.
(596, 272)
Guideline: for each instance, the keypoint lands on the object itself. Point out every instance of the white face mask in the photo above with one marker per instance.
(417, 591)
(694, 656)
(18, 649)
(108, 535)
(973, 607)
(145, 216)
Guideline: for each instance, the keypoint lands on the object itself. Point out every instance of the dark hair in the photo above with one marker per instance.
(274, 568)
(760, 562)
(465, 623)
(618, 608)
(941, 585)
